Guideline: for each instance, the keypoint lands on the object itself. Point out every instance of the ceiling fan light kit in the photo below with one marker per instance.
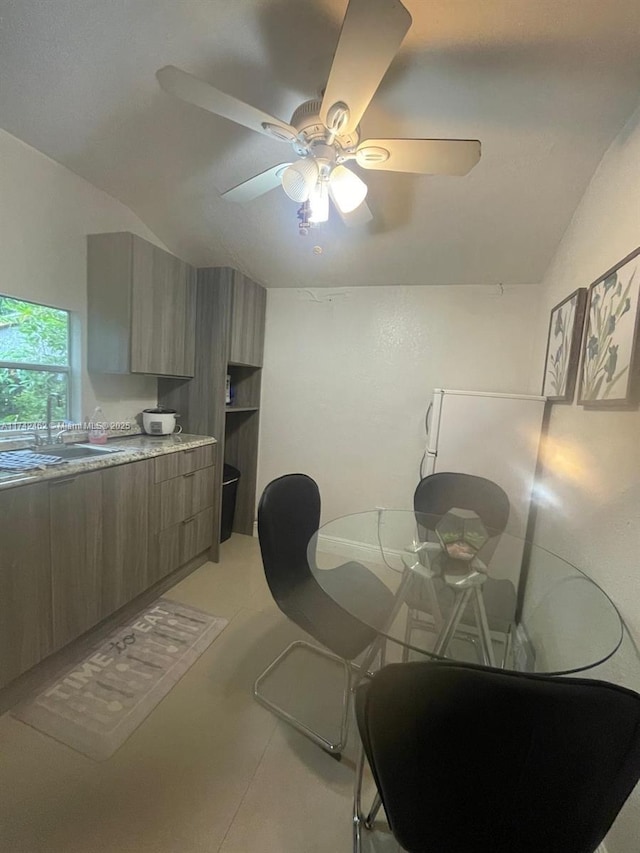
(325, 134)
(300, 178)
(319, 202)
(347, 190)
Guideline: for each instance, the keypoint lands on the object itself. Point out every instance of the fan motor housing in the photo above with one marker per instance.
(306, 120)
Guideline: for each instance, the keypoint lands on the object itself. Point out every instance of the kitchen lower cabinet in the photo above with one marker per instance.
(182, 509)
(73, 550)
(183, 497)
(75, 514)
(125, 519)
(25, 579)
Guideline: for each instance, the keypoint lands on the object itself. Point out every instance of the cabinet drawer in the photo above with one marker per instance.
(178, 544)
(184, 462)
(196, 535)
(183, 497)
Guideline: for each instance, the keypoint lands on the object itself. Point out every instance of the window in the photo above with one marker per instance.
(34, 363)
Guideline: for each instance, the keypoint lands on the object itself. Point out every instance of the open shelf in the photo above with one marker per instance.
(245, 388)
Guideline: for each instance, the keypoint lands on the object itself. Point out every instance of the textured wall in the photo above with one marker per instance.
(347, 379)
(592, 481)
(45, 214)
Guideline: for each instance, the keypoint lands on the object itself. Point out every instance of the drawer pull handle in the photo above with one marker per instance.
(192, 474)
(189, 520)
(63, 482)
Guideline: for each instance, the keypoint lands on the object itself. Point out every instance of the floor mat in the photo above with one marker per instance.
(96, 704)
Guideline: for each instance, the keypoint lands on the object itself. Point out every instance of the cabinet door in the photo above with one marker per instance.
(162, 312)
(75, 511)
(125, 495)
(247, 321)
(25, 579)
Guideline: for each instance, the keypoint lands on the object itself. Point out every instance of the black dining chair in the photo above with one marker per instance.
(474, 760)
(288, 517)
(434, 496)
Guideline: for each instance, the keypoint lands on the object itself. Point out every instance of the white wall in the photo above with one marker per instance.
(593, 471)
(347, 379)
(46, 212)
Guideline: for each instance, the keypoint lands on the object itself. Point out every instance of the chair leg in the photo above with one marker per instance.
(447, 633)
(373, 811)
(333, 748)
(377, 647)
(483, 628)
(411, 618)
(358, 818)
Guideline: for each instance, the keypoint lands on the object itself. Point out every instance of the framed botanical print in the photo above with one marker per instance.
(563, 347)
(610, 371)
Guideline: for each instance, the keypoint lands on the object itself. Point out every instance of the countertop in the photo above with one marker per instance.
(130, 450)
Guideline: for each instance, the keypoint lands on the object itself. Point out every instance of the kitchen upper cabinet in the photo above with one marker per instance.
(248, 305)
(25, 579)
(75, 511)
(125, 519)
(141, 308)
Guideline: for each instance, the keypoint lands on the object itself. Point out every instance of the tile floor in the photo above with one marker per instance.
(209, 771)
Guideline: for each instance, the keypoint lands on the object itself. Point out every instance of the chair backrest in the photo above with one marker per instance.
(436, 494)
(288, 516)
(483, 760)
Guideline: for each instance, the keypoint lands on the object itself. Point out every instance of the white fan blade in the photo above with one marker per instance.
(371, 34)
(360, 216)
(257, 186)
(422, 156)
(195, 91)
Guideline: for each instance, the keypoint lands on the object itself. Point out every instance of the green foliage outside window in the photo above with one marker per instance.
(32, 334)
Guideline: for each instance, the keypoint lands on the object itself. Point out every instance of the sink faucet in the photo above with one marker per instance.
(51, 400)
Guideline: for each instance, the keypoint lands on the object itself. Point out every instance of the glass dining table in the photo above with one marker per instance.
(496, 601)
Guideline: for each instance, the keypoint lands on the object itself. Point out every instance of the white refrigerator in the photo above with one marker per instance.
(496, 436)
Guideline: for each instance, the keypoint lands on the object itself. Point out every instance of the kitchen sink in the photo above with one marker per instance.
(76, 451)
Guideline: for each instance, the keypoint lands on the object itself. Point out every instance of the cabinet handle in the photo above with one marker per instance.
(192, 474)
(63, 482)
(189, 520)
(193, 450)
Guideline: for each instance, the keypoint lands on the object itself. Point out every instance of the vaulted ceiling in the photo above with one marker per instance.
(545, 84)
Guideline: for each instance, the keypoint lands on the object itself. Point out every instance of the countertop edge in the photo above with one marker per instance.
(145, 449)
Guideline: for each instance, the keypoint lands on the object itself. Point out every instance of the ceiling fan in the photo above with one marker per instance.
(325, 134)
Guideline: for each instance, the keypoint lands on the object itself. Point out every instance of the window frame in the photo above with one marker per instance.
(42, 368)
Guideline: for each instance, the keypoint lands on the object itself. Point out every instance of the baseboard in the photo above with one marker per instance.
(351, 550)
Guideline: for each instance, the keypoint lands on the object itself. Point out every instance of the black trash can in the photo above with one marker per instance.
(230, 477)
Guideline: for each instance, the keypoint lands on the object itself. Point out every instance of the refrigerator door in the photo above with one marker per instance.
(433, 422)
(497, 437)
(429, 466)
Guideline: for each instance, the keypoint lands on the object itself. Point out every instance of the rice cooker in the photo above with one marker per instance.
(160, 421)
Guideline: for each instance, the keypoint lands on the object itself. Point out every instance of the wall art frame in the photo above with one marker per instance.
(610, 369)
(564, 337)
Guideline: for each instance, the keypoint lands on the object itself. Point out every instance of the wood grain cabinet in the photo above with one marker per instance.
(182, 509)
(25, 579)
(74, 550)
(141, 308)
(230, 322)
(125, 519)
(75, 514)
(248, 303)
